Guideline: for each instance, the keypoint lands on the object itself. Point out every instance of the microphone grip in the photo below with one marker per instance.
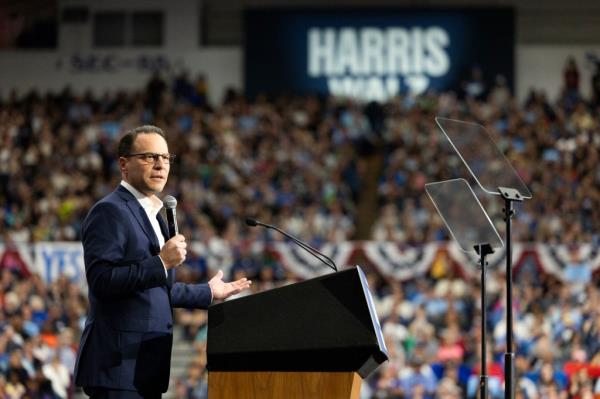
(172, 222)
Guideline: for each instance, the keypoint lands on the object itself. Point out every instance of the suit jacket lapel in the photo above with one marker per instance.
(139, 214)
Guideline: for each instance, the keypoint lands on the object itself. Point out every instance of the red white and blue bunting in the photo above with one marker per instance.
(304, 265)
(392, 260)
(398, 261)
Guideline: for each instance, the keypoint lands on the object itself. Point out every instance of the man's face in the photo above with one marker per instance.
(148, 178)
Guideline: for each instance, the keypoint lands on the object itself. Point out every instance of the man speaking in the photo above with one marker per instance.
(125, 348)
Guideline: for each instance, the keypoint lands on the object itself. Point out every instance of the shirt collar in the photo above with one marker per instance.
(151, 205)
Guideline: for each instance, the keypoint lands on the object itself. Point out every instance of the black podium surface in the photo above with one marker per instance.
(324, 324)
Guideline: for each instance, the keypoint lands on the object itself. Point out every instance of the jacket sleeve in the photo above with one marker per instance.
(105, 236)
(191, 296)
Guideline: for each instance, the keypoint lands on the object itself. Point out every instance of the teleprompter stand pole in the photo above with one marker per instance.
(483, 250)
(510, 195)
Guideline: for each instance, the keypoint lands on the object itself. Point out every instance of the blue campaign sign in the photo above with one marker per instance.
(55, 259)
(374, 54)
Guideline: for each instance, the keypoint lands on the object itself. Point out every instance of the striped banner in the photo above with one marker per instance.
(402, 262)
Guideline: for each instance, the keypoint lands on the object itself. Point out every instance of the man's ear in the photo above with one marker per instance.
(123, 166)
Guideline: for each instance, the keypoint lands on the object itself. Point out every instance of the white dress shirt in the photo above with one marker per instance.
(151, 205)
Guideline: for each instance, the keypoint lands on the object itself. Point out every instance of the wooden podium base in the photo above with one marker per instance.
(284, 385)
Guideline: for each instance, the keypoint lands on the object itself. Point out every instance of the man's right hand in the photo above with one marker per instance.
(173, 252)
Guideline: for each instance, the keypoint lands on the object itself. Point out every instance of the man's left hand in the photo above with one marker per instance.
(222, 290)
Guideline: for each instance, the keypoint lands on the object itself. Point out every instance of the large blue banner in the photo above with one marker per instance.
(375, 54)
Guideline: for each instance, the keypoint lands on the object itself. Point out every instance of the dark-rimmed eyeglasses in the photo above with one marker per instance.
(153, 157)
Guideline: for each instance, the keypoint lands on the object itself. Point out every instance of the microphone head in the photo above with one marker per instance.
(251, 222)
(169, 202)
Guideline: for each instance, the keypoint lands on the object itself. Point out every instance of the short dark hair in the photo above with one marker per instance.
(126, 142)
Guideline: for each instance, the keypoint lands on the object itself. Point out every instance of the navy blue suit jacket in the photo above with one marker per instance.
(128, 335)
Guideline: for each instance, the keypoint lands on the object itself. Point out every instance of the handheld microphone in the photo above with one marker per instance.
(322, 257)
(170, 203)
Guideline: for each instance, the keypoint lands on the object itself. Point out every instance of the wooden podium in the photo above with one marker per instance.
(314, 339)
(283, 384)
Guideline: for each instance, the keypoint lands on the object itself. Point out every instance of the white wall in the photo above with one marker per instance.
(538, 66)
(51, 71)
(541, 66)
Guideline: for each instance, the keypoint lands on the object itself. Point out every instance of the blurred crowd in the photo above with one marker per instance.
(433, 333)
(432, 330)
(553, 146)
(300, 162)
(40, 325)
(277, 161)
